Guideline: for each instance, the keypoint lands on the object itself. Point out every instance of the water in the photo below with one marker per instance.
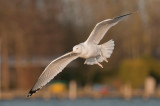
(81, 102)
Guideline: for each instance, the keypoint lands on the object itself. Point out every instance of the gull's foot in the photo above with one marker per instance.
(106, 60)
(100, 65)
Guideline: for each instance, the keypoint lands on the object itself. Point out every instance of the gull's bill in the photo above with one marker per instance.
(71, 53)
(102, 27)
(55, 67)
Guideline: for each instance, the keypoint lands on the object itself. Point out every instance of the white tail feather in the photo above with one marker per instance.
(107, 49)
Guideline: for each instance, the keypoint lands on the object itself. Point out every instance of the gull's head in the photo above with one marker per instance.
(77, 49)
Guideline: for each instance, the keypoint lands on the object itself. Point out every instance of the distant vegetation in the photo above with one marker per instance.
(135, 71)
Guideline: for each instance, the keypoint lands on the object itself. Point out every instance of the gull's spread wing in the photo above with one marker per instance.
(55, 67)
(102, 27)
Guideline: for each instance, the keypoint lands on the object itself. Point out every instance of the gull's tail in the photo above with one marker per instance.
(107, 49)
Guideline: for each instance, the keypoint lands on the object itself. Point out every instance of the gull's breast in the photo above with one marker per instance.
(90, 51)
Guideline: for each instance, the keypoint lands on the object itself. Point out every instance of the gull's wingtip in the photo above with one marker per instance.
(31, 92)
(119, 17)
(28, 95)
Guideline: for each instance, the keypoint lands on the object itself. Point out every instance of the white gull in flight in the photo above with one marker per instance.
(89, 50)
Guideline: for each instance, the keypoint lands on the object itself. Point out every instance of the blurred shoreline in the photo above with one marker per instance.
(45, 94)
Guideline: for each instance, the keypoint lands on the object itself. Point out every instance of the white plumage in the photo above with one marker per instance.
(90, 50)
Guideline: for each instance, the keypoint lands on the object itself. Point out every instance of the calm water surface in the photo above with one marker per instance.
(81, 102)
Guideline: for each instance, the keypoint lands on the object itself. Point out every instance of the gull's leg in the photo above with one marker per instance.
(103, 57)
(106, 60)
(98, 63)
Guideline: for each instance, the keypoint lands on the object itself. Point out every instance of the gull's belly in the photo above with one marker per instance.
(90, 51)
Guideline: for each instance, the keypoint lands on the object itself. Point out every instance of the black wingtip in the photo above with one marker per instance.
(123, 16)
(31, 92)
(119, 17)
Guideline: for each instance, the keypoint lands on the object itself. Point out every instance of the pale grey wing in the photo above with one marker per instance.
(102, 27)
(55, 67)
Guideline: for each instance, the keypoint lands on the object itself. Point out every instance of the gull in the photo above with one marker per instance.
(89, 50)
